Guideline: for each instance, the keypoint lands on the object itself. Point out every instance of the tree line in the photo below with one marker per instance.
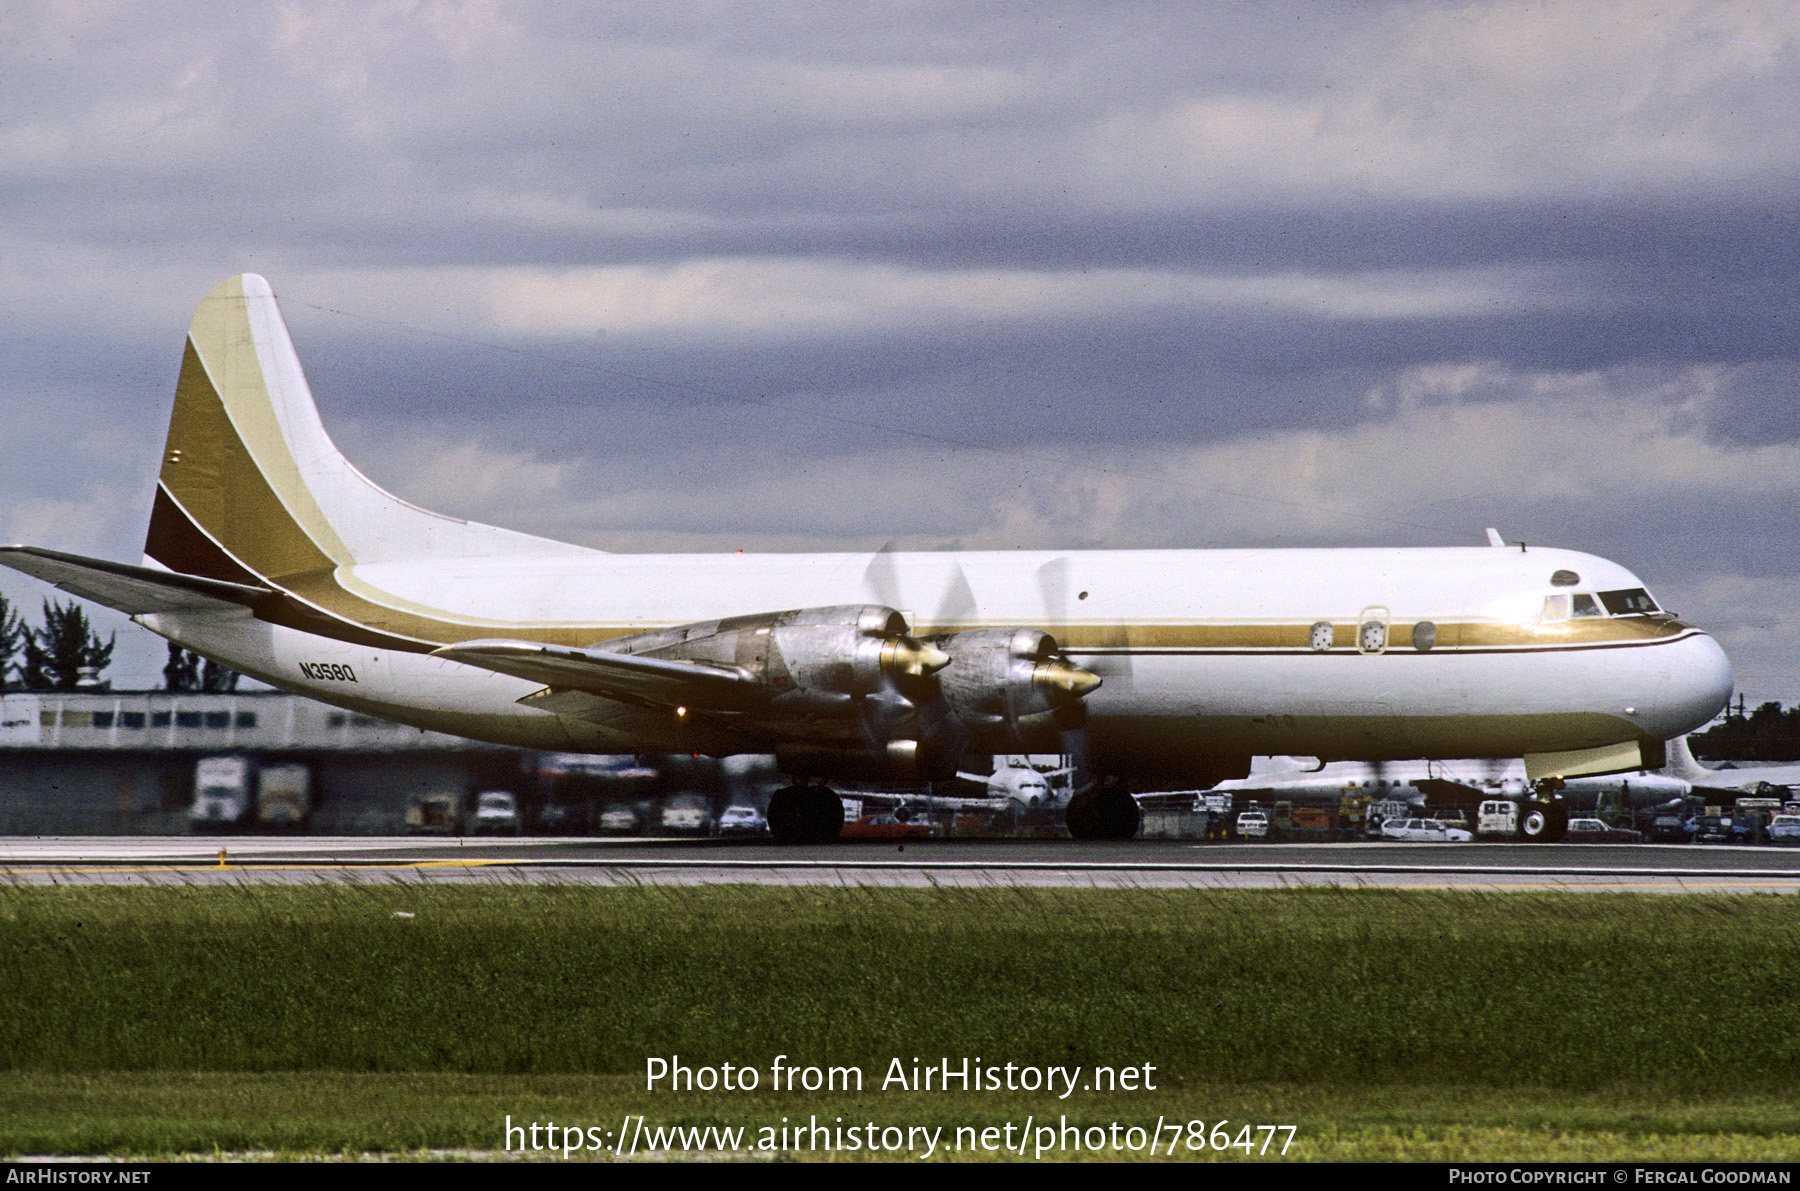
(1766, 734)
(65, 653)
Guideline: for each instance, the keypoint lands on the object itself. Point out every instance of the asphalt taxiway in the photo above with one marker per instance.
(188, 860)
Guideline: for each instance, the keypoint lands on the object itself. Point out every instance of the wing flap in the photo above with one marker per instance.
(615, 675)
(131, 589)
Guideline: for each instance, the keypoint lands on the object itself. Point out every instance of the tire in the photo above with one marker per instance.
(1103, 814)
(787, 815)
(1543, 822)
(825, 815)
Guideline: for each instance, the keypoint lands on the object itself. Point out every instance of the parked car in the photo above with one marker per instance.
(1253, 825)
(1784, 829)
(1428, 831)
(885, 827)
(1727, 829)
(563, 818)
(619, 819)
(742, 820)
(1594, 831)
(496, 813)
(687, 814)
(1671, 829)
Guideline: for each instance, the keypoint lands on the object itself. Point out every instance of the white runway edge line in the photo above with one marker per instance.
(1472, 870)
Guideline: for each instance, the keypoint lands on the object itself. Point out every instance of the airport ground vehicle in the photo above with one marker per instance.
(742, 820)
(885, 827)
(1784, 829)
(222, 793)
(496, 813)
(283, 795)
(1594, 831)
(1252, 825)
(435, 812)
(1424, 831)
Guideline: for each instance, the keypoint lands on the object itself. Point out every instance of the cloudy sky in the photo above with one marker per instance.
(810, 276)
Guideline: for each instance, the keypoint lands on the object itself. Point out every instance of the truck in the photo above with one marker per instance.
(221, 792)
(283, 796)
(435, 812)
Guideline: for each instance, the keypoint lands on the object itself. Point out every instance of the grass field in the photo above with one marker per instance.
(1383, 1024)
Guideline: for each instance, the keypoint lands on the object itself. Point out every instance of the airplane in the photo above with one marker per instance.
(1748, 778)
(269, 552)
(1419, 781)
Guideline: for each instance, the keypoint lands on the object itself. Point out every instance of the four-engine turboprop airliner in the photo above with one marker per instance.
(268, 552)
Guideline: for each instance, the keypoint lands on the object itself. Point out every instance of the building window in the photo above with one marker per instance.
(187, 719)
(246, 719)
(131, 719)
(218, 719)
(103, 719)
(159, 719)
(336, 719)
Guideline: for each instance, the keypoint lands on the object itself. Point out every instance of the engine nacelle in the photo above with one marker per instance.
(1014, 688)
(839, 690)
(832, 654)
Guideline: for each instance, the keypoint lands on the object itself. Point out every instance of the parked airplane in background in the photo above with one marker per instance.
(1418, 782)
(1741, 777)
(267, 551)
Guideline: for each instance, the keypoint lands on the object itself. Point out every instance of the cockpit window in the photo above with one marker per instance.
(1633, 601)
(1586, 605)
(1556, 607)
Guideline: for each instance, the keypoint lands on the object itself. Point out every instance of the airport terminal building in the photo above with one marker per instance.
(125, 762)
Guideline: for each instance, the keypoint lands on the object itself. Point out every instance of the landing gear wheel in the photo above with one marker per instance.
(1543, 822)
(825, 815)
(805, 815)
(1102, 814)
(787, 815)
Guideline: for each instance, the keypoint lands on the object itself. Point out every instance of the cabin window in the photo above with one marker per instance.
(1586, 605)
(1634, 601)
(1424, 635)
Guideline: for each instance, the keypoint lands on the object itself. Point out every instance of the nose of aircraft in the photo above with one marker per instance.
(1694, 686)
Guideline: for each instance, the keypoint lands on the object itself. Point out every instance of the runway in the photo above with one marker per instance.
(191, 860)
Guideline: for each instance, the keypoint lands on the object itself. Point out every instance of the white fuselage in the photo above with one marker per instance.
(1201, 651)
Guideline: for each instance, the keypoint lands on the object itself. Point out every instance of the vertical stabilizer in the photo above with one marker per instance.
(253, 489)
(1683, 764)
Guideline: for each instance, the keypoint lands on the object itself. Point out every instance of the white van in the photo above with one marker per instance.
(1498, 817)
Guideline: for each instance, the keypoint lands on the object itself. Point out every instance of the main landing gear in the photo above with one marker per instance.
(1543, 822)
(805, 815)
(1105, 812)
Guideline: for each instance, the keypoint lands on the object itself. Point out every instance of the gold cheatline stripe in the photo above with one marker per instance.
(321, 591)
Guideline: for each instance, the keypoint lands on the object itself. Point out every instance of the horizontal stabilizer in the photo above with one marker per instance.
(131, 589)
(1440, 787)
(614, 675)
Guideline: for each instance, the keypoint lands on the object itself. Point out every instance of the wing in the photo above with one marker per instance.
(132, 590)
(706, 686)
